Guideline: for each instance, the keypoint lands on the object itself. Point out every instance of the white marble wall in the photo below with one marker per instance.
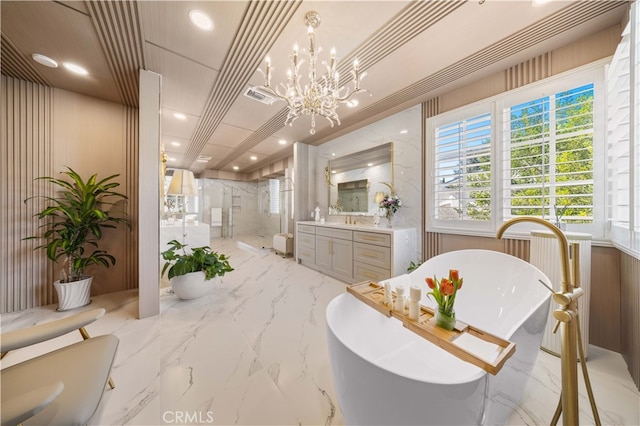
(407, 163)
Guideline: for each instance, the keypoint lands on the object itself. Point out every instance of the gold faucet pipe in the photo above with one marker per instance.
(569, 362)
(562, 240)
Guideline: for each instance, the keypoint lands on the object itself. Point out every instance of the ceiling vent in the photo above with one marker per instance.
(203, 159)
(259, 95)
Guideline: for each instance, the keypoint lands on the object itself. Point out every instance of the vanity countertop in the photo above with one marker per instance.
(357, 227)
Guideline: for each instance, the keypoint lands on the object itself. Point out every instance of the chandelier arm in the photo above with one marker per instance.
(274, 93)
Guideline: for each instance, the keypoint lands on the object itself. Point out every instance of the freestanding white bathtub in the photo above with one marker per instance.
(385, 374)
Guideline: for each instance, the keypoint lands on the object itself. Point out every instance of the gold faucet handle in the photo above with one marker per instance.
(565, 298)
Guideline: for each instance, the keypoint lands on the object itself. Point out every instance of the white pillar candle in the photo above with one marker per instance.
(414, 310)
(388, 300)
(400, 298)
(415, 293)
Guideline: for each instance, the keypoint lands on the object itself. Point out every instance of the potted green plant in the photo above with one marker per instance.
(74, 221)
(190, 271)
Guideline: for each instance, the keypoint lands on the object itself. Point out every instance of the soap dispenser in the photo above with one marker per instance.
(317, 216)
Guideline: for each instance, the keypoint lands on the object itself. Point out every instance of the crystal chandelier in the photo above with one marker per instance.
(319, 96)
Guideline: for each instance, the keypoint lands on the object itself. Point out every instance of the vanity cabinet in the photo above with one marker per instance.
(306, 244)
(334, 252)
(355, 253)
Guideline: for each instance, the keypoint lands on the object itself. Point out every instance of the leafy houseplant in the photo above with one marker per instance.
(199, 259)
(74, 221)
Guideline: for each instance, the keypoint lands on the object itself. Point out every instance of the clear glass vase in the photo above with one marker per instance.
(389, 219)
(446, 319)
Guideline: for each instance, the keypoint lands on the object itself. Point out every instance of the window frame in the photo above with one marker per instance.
(590, 73)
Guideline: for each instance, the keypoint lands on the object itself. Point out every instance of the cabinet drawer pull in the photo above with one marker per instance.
(370, 275)
(370, 255)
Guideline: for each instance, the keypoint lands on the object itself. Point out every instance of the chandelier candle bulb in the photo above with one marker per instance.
(312, 41)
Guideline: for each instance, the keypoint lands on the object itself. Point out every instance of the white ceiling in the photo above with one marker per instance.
(410, 50)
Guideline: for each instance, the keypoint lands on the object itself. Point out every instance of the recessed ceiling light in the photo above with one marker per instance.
(539, 2)
(179, 116)
(404, 131)
(282, 142)
(333, 172)
(44, 60)
(174, 143)
(236, 168)
(201, 20)
(333, 154)
(369, 164)
(172, 159)
(352, 103)
(253, 157)
(75, 68)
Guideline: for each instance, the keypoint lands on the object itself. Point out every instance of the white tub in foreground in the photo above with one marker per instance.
(385, 374)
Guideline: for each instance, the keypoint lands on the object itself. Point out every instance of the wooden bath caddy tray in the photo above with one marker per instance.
(499, 349)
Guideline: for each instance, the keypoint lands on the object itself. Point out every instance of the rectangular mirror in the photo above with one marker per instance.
(357, 181)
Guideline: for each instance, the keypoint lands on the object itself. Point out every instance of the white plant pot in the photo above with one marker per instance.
(74, 294)
(192, 285)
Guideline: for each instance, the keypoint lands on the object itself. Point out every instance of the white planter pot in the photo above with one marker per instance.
(192, 285)
(74, 294)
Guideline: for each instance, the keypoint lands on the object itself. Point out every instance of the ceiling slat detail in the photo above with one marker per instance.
(15, 65)
(262, 24)
(117, 24)
(567, 18)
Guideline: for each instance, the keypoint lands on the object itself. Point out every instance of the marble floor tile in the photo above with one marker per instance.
(253, 352)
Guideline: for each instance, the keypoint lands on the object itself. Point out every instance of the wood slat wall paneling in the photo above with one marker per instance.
(529, 71)
(431, 107)
(604, 327)
(431, 244)
(517, 248)
(26, 276)
(630, 314)
(132, 181)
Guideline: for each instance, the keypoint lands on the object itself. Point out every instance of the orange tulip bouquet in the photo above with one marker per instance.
(444, 293)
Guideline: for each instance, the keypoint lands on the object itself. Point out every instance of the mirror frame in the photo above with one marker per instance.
(376, 184)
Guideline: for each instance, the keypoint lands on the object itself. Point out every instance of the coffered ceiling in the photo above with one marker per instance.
(410, 50)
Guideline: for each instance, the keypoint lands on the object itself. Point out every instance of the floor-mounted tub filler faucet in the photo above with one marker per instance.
(567, 317)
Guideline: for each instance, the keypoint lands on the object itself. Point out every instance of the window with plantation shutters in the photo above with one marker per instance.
(618, 108)
(548, 157)
(623, 140)
(462, 169)
(538, 150)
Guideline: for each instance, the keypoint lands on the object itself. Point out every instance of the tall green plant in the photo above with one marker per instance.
(75, 219)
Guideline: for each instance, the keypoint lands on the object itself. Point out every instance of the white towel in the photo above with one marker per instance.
(216, 216)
